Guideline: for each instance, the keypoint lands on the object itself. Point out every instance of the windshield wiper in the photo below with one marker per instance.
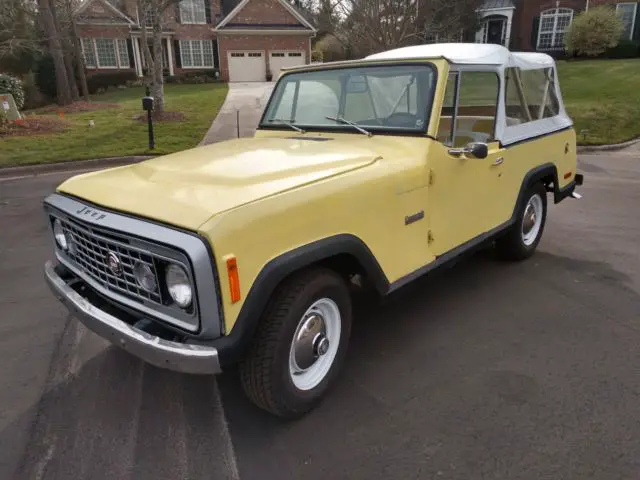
(287, 123)
(354, 125)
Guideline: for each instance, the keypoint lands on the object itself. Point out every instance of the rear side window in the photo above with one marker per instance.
(530, 95)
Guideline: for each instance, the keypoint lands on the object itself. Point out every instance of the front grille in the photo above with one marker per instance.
(90, 249)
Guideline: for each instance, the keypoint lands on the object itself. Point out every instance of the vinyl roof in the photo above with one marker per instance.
(469, 54)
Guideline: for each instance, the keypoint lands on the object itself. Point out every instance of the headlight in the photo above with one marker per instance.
(58, 233)
(178, 285)
(145, 277)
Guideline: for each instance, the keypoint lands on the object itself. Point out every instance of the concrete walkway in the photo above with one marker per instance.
(247, 98)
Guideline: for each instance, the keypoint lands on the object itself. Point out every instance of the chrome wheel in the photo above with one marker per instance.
(532, 220)
(315, 344)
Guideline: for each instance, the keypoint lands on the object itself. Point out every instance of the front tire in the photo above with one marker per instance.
(300, 344)
(522, 238)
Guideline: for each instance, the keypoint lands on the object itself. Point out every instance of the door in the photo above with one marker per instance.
(286, 59)
(495, 30)
(245, 66)
(465, 199)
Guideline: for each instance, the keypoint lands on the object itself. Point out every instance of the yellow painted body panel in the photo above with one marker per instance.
(260, 197)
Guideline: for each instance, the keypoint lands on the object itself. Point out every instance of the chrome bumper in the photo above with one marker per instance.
(157, 351)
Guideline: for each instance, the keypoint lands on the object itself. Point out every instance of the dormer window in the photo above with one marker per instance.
(193, 12)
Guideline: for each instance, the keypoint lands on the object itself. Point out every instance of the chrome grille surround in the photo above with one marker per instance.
(96, 231)
(91, 250)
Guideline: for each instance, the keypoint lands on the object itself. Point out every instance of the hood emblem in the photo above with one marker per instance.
(114, 263)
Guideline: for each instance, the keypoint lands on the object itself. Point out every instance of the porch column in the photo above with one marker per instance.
(137, 57)
(170, 56)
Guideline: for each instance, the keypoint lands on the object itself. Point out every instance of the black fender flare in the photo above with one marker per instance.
(533, 176)
(233, 345)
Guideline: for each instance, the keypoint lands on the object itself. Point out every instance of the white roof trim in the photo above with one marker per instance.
(284, 3)
(83, 6)
(263, 31)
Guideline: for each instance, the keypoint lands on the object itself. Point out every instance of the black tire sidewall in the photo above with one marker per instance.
(297, 400)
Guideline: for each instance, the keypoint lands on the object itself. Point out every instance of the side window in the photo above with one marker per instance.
(477, 108)
(530, 95)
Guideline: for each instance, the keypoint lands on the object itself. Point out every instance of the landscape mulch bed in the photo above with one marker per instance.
(32, 126)
(78, 107)
(163, 117)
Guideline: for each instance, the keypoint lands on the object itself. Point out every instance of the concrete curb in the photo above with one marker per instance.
(607, 148)
(33, 170)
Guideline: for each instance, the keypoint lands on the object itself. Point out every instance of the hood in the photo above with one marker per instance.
(187, 188)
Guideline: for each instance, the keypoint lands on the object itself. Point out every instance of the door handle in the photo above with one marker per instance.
(497, 161)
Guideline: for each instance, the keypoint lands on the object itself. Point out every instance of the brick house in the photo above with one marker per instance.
(242, 39)
(540, 24)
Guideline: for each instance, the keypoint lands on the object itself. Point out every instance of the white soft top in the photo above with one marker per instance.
(470, 54)
(497, 58)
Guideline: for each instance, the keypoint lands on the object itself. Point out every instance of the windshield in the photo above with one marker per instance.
(387, 98)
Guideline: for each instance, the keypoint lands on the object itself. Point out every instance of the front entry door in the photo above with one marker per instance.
(495, 31)
(465, 195)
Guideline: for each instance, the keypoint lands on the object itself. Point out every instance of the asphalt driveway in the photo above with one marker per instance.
(486, 370)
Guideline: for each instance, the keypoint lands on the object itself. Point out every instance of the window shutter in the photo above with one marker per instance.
(178, 13)
(130, 51)
(176, 51)
(636, 34)
(207, 10)
(216, 60)
(534, 32)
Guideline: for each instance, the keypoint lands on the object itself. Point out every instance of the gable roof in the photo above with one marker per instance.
(284, 3)
(84, 5)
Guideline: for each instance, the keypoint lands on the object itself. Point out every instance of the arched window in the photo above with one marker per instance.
(553, 25)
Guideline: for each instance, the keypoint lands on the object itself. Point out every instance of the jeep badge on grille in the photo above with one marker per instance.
(114, 264)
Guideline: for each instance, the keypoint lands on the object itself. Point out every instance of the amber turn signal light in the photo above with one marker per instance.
(234, 279)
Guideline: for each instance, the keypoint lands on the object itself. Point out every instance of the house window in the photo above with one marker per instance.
(553, 26)
(105, 53)
(295, 54)
(627, 13)
(196, 53)
(192, 12)
(149, 16)
(88, 52)
(123, 53)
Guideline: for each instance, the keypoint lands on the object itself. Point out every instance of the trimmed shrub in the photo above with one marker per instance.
(13, 86)
(102, 81)
(625, 49)
(198, 76)
(593, 32)
(46, 76)
(33, 97)
(317, 56)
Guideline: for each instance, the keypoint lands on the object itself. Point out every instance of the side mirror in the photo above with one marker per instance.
(474, 149)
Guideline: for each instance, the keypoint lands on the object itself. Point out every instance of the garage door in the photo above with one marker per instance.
(278, 60)
(247, 67)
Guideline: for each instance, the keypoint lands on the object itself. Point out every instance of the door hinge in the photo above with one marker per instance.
(430, 237)
(431, 177)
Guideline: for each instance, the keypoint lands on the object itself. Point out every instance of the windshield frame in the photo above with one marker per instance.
(341, 128)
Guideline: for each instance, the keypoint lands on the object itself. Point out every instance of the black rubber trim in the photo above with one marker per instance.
(579, 179)
(563, 193)
(232, 346)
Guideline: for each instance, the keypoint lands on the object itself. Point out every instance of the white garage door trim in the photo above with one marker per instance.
(285, 58)
(246, 65)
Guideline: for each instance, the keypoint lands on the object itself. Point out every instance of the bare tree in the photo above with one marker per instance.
(154, 14)
(367, 26)
(73, 49)
(47, 12)
(17, 28)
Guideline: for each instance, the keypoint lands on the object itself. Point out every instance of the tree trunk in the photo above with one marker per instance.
(157, 87)
(75, 40)
(55, 49)
(66, 52)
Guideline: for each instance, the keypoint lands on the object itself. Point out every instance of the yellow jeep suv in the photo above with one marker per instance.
(242, 252)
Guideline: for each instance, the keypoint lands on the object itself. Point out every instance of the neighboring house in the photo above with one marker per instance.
(240, 39)
(541, 24)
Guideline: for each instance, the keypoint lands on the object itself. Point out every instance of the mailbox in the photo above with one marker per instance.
(147, 103)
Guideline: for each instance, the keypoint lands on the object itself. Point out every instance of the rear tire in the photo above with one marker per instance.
(522, 238)
(300, 344)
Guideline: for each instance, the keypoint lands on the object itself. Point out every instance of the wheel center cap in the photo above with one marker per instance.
(321, 345)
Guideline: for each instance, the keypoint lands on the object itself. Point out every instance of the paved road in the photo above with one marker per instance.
(487, 370)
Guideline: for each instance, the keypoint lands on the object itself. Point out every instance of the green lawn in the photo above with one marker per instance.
(116, 133)
(603, 97)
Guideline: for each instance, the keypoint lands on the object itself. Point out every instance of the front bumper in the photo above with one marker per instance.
(180, 357)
